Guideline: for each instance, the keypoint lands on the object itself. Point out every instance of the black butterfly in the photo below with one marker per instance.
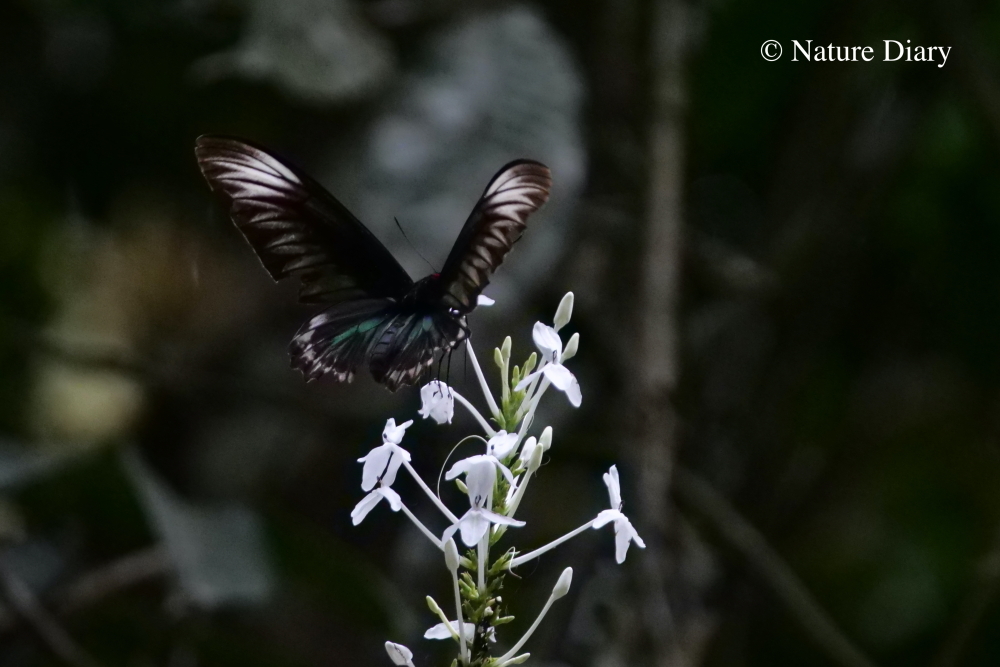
(376, 313)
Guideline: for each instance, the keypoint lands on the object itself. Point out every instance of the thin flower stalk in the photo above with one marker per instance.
(430, 494)
(524, 558)
(482, 378)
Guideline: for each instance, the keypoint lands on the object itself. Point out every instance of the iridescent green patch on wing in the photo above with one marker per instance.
(362, 328)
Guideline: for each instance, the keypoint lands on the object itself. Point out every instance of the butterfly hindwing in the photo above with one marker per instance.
(339, 340)
(297, 228)
(519, 189)
(408, 345)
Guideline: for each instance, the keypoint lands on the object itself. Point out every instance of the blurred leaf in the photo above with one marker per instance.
(38, 563)
(20, 465)
(320, 51)
(492, 88)
(219, 552)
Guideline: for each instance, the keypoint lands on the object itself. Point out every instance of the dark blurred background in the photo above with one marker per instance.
(787, 289)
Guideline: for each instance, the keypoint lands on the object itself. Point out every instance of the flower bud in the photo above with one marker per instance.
(505, 348)
(529, 365)
(535, 462)
(545, 440)
(498, 357)
(433, 606)
(562, 586)
(451, 557)
(571, 347)
(563, 312)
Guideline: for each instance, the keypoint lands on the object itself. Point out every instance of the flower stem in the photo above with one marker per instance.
(437, 501)
(523, 640)
(463, 648)
(518, 494)
(422, 527)
(530, 414)
(482, 380)
(475, 413)
(551, 545)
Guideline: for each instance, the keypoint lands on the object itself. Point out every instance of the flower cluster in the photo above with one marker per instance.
(495, 483)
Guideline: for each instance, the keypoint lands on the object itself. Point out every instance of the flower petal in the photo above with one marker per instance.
(564, 380)
(395, 502)
(526, 380)
(375, 462)
(614, 488)
(392, 467)
(493, 517)
(460, 467)
(399, 654)
(547, 341)
(625, 534)
(473, 526)
(501, 444)
(394, 434)
(604, 518)
(366, 505)
(623, 538)
(480, 479)
(483, 300)
(441, 631)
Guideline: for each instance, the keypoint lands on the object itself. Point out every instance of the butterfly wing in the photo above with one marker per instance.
(297, 228)
(339, 340)
(519, 189)
(407, 345)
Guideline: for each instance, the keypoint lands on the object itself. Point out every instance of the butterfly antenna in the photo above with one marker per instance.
(413, 247)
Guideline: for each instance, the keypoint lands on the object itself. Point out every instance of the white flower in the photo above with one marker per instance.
(624, 532)
(550, 345)
(394, 434)
(441, 631)
(501, 445)
(483, 300)
(437, 401)
(399, 654)
(368, 503)
(382, 463)
(476, 522)
(480, 476)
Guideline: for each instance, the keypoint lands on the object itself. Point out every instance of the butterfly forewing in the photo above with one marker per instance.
(297, 228)
(519, 189)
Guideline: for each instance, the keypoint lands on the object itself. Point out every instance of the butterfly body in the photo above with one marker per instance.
(375, 313)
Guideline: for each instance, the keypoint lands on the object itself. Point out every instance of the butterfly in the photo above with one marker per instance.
(375, 313)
